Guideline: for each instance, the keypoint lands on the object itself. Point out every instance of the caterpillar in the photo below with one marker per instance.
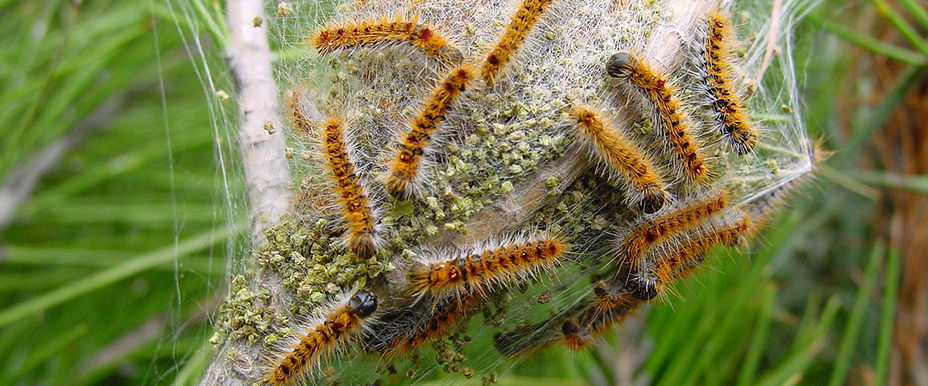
(362, 235)
(367, 32)
(521, 24)
(575, 336)
(621, 156)
(332, 333)
(633, 248)
(674, 125)
(725, 100)
(441, 320)
(476, 272)
(681, 260)
(406, 163)
(609, 297)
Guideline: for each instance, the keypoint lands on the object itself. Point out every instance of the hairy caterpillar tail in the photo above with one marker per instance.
(575, 336)
(406, 164)
(661, 96)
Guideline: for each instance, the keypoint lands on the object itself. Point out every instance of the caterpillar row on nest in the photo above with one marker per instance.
(682, 257)
(637, 242)
(668, 239)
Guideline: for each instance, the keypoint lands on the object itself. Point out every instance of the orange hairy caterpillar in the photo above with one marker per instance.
(406, 164)
(367, 32)
(362, 233)
(673, 125)
(442, 319)
(685, 257)
(621, 156)
(726, 102)
(476, 272)
(636, 244)
(332, 333)
(521, 24)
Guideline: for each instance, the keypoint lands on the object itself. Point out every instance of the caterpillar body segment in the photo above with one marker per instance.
(716, 69)
(442, 319)
(685, 256)
(362, 236)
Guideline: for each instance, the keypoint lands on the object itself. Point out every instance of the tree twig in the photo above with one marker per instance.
(260, 140)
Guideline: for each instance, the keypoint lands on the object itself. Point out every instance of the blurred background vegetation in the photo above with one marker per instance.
(121, 202)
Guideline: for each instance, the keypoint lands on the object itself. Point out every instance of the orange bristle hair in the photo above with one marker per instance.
(726, 102)
(622, 157)
(368, 32)
(338, 327)
(674, 126)
(475, 273)
(406, 164)
(518, 29)
(638, 242)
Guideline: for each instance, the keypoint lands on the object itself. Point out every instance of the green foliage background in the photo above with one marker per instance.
(114, 264)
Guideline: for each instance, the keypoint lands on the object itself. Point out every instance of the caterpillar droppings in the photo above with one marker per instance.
(633, 248)
(674, 125)
(332, 333)
(621, 156)
(368, 32)
(362, 233)
(726, 101)
(406, 164)
(477, 272)
(518, 29)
